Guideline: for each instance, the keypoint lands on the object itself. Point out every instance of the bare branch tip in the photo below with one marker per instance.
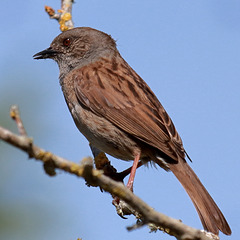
(50, 11)
(138, 224)
(15, 115)
(14, 112)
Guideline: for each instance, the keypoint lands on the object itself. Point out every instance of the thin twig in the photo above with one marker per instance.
(63, 15)
(14, 113)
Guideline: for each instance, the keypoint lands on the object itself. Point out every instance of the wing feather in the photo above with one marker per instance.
(123, 98)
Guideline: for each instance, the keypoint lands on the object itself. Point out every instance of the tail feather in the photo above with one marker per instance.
(208, 211)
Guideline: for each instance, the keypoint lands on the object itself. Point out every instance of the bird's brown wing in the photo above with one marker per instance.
(113, 90)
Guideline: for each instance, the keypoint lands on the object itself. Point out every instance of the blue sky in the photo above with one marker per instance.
(187, 51)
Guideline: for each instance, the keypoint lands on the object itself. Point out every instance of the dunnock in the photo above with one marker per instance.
(119, 114)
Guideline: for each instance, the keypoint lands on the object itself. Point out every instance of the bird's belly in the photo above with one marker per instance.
(104, 135)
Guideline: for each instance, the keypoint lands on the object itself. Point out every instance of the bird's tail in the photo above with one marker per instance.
(208, 211)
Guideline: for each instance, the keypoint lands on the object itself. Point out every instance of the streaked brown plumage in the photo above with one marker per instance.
(119, 114)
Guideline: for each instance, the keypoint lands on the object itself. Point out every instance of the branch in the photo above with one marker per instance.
(63, 15)
(94, 177)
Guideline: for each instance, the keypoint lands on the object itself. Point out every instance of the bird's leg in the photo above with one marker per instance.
(121, 207)
(124, 173)
(133, 172)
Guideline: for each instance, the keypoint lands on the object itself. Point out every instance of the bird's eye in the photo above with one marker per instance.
(66, 42)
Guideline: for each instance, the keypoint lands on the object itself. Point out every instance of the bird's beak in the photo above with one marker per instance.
(47, 53)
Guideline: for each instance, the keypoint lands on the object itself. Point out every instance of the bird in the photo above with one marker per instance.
(118, 113)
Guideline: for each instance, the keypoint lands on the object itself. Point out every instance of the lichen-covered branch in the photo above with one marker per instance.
(63, 15)
(94, 177)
